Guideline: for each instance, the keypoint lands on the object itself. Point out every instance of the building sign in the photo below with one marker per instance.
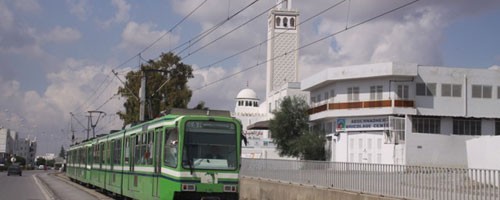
(362, 124)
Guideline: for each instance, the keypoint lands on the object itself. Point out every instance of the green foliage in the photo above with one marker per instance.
(40, 161)
(289, 129)
(51, 162)
(62, 152)
(201, 106)
(19, 159)
(312, 146)
(174, 94)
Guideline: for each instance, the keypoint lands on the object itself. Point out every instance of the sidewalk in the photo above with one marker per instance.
(62, 188)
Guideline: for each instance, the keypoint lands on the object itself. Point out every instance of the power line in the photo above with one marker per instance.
(268, 39)
(216, 26)
(231, 31)
(138, 54)
(309, 44)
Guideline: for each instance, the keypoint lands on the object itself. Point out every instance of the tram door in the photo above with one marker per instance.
(157, 161)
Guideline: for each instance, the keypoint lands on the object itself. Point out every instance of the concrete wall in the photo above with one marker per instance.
(437, 150)
(482, 153)
(258, 189)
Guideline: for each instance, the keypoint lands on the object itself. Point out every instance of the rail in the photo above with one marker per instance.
(400, 181)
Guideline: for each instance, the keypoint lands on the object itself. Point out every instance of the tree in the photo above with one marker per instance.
(62, 152)
(201, 106)
(166, 87)
(40, 161)
(290, 131)
(19, 159)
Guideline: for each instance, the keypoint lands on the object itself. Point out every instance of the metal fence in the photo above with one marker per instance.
(401, 181)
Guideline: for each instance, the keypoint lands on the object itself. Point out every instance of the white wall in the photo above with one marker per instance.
(347, 151)
(483, 153)
(437, 150)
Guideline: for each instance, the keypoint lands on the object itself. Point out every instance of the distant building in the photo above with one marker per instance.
(11, 144)
(7, 145)
(409, 114)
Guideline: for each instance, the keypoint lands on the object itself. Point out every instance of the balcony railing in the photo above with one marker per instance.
(362, 104)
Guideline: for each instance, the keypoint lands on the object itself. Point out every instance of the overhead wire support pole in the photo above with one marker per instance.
(81, 124)
(92, 124)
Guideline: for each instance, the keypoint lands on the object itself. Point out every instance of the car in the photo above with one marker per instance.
(14, 169)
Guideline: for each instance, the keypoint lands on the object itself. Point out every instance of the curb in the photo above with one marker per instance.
(92, 192)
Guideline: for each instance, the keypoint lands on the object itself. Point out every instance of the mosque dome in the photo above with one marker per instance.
(247, 93)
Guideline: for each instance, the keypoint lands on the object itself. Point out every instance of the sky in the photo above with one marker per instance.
(57, 57)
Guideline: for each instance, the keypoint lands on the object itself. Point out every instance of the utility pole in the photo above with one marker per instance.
(99, 114)
(142, 96)
(142, 92)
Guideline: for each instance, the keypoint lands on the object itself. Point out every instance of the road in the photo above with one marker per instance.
(43, 185)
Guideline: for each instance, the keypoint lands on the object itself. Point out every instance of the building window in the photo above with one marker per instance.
(292, 22)
(451, 90)
(464, 126)
(497, 127)
(285, 21)
(332, 94)
(313, 100)
(376, 92)
(255, 104)
(426, 125)
(426, 89)
(498, 92)
(278, 21)
(318, 98)
(403, 92)
(353, 94)
(326, 96)
(481, 91)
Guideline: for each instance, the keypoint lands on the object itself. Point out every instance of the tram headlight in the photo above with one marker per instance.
(188, 187)
(230, 188)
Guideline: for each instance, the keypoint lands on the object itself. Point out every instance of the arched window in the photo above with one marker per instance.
(292, 22)
(278, 21)
(285, 21)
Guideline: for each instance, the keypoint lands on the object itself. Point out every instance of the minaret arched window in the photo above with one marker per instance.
(285, 21)
(278, 21)
(292, 22)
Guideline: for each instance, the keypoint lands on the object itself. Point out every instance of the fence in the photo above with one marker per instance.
(401, 181)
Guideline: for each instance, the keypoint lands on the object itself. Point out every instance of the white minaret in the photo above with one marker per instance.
(283, 40)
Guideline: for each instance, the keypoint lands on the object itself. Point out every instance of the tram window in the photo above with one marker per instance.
(137, 153)
(126, 153)
(117, 152)
(171, 148)
(149, 149)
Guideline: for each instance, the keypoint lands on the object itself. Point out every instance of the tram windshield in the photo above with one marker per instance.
(210, 145)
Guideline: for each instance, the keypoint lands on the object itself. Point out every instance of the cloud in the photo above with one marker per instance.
(27, 5)
(62, 35)
(74, 89)
(121, 15)
(136, 37)
(6, 18)
(79, 8)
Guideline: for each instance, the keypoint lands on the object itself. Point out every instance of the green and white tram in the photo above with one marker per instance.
(177, 156)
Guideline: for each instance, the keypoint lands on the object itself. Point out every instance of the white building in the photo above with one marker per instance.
(282, 76)
(409, 114)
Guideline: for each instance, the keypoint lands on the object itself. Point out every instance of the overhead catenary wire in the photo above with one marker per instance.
(138, 54)
(206, 33)
(309, 44)
(231, 31)
(274, 36)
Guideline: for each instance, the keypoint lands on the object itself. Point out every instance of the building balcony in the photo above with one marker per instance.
(361, 105)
